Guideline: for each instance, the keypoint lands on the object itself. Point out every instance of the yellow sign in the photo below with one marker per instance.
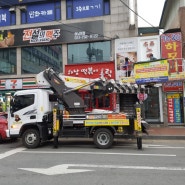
(101, 122)
(151, 69)
(169, 96)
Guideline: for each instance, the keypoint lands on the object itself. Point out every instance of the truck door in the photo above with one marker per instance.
(23, 110)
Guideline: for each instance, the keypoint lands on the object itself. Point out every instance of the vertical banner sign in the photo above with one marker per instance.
(125, 48)
(174, 111)
(171, 48)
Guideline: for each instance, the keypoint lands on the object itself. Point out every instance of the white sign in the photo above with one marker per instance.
(13, 84)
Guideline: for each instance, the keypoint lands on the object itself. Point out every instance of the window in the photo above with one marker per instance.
(36, 59)
(8, 61)
(89, 52)
(21, 102)
(87, 8)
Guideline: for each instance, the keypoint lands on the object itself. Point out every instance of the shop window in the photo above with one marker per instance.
(36, 59)
(89, 52)
(8, 61)
(89, 8)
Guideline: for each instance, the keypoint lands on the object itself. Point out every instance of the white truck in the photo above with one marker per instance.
(38, 115)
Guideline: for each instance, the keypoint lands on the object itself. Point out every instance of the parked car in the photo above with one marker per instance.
(3, 126)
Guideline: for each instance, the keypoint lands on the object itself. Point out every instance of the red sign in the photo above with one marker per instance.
(91, 70)
(171, 48)
(173, 86)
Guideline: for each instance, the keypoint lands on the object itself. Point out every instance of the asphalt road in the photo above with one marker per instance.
(79, 162)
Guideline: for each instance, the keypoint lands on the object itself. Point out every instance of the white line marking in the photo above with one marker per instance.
(11, 152)
(163, 146)
(67, 168)
(100, 153)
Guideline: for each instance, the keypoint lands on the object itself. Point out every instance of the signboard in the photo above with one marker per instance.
(146, 72)
(172, 86)
(56, 34)
(174, 111)
(147, 46)
(40, 12)
(17, 2)
(4, 18)
(171, 48)
(88, 8)
(171, 45)
(25, 83)
(91, 70)
(125, 48)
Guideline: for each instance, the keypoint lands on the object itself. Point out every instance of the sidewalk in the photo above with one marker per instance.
(165, 133)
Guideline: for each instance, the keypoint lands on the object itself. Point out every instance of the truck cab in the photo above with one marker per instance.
(27, 110)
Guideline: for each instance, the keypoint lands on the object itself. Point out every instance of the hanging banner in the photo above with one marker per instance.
(153, 71)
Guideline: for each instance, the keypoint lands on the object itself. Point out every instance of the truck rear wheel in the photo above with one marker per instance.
(31, 138)
(103, 138)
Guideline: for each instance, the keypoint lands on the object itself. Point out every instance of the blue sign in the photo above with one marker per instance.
(17, 2)
(4, 17)
(40, 13)
(88, 8)
(160, 79)
(177, 111)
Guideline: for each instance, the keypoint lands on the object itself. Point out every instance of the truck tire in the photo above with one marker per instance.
(103, 138)
(31, 138)
(139, 143)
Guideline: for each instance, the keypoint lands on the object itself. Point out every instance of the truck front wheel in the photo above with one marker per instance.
(30, 138)
(103, 138)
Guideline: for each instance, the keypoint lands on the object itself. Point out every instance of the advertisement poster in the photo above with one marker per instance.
(174, 111)
(147, 46)
(125, 49)
(146, 72)
(171, 48)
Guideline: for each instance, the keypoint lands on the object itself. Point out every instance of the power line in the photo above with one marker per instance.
(139, 15)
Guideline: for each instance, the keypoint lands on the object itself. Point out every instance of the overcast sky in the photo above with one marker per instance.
(151, 11)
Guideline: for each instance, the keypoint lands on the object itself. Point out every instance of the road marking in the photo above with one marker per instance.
(100, 153)
(64, 168)
(162, 146)
(11, 152)
(56, 170)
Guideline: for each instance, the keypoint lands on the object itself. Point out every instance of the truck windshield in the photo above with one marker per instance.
(21, 101)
